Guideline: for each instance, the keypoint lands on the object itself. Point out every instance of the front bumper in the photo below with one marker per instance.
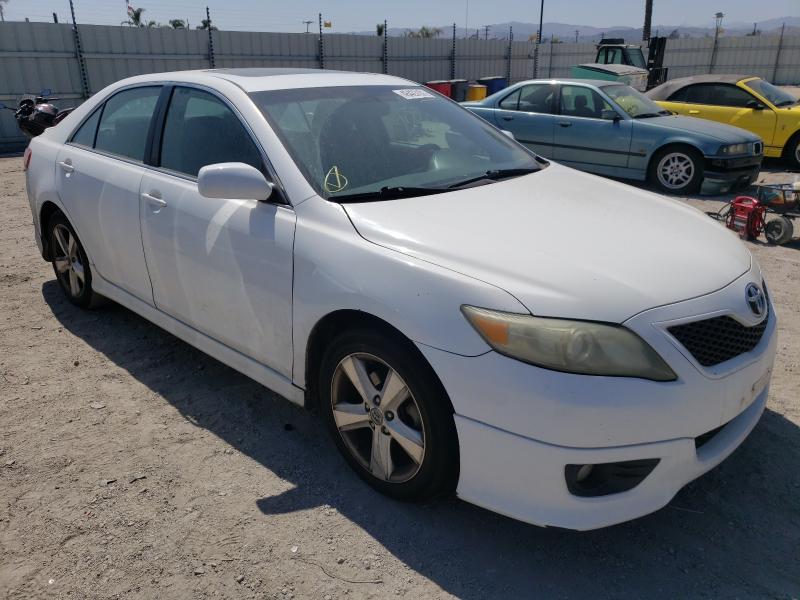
(519, 426)
(741, 170)
(524, 478)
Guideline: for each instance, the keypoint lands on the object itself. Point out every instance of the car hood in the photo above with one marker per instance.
(719, 131)
(564, 243)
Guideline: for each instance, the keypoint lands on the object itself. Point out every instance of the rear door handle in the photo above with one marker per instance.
(66, 166)
(565, 124)
(154, 200)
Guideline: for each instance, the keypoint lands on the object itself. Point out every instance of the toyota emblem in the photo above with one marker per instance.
(756, 300)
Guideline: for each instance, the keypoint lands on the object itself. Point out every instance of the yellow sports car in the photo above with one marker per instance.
(744, 101)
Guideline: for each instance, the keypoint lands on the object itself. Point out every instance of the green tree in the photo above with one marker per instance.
(424, 32)
(206, 24)
(177, 23)
(379, 29)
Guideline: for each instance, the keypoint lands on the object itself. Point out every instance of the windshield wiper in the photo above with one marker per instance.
(787, 103)
(651, 115)
(388, 193)
(495, 175)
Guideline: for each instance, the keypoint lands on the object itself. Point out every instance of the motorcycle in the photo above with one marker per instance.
(35, 113)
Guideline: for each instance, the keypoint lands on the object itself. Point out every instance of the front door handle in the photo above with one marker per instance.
(694, 112)
(154, 199)
(66, 166)
(507, 118)
(565, 124)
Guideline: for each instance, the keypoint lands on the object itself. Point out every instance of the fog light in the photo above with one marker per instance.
(583, 473)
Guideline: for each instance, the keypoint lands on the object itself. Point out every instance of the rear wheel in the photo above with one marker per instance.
(779, 231)
(677, 170)
(70, 263)
(389, 416)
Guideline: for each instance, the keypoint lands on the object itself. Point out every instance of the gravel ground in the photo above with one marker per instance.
(133, 466)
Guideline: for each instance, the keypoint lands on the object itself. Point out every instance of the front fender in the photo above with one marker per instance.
(336, 269)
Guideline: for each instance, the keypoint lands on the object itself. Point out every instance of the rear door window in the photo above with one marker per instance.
(86, 132)
(202, 130)
(125, 122)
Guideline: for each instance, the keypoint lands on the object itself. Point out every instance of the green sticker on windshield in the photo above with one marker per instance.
(335, 181)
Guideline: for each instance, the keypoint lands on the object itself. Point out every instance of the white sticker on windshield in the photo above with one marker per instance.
(413, 93)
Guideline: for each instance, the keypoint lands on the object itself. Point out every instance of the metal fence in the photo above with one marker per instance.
(34, 56)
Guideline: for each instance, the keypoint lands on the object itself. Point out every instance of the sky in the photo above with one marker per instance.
(358, 15)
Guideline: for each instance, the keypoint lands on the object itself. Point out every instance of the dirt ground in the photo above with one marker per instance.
(133, 466)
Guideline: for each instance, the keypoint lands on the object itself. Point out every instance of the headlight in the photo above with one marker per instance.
(582, 347)
(733, 149)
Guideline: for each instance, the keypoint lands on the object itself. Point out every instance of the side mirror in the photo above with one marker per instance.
(508, 133)
(755, 104)
(610, 115)
(233, 180)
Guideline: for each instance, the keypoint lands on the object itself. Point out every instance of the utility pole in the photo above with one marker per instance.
(486, 29)
(576, 35)
(2, 15)
(307, 24)
(648, 19)
(55, 18)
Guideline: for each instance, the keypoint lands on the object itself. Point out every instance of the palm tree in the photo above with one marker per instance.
(135, 18)
(205, 25)
(177, 23)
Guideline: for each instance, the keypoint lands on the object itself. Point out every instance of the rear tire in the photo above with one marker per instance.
(676, 170)
(70, 263)
(389, 415)
(779, 231)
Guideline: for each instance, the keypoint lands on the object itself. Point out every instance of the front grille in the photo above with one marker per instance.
(713, 341)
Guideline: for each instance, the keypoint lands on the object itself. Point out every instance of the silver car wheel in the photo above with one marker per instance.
(377, 417)
(675, 170)
(67, 261)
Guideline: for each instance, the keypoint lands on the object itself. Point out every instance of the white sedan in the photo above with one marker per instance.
(466, 316)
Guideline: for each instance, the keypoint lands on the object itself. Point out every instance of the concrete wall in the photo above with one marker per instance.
(34, 56)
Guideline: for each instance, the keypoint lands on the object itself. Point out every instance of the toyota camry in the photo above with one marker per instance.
(448, 301)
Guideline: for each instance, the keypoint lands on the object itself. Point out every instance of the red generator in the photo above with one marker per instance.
(746, 217)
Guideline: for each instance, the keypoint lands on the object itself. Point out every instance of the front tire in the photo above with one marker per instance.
(677, 170)
(70, 263)
(793, 152)
(389, 415)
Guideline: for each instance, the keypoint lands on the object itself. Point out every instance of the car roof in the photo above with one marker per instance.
(262, 79)
(665, 90)
(590, 82)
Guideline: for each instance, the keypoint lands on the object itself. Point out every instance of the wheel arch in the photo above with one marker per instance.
(795, 137)
(46, 212)
(339, 321)
(673, 144)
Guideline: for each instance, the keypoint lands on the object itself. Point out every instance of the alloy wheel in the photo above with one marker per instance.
(67, 261)
(675, 170)
(378, 418)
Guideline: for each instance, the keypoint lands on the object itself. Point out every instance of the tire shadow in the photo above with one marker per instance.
(734, 532)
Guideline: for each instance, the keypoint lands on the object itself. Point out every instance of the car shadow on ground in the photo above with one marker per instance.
(732, 533)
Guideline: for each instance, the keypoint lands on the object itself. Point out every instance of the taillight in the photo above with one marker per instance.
(27, 158)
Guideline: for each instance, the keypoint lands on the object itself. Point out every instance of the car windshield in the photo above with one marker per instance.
(774, 94)
(381, 142)
(634, 103)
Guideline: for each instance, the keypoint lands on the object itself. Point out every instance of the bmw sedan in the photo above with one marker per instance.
(371, 250)
(611, 129)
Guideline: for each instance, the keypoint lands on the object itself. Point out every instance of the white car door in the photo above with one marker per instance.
(223, 267)
(98, 174)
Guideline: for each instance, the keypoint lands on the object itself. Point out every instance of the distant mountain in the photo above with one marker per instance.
(565, 32)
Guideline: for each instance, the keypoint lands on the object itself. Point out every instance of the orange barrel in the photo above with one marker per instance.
(476, 92)
(441, 86)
